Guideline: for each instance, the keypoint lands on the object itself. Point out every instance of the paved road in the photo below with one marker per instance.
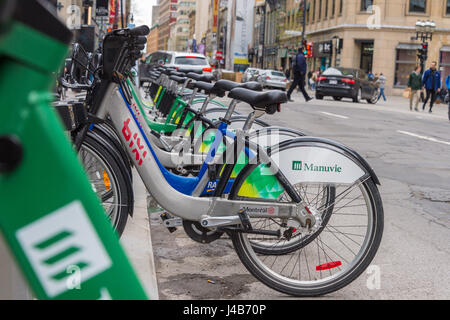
(409, 151)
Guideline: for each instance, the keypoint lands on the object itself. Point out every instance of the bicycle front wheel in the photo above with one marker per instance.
(324, 261)
(107, 180)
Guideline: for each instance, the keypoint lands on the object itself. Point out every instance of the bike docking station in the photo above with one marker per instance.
(51, 221)
(66, 197)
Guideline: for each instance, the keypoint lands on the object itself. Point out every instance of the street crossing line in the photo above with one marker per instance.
(423, 137)
(334, 115)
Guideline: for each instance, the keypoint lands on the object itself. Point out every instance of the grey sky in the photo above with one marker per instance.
(142, 11)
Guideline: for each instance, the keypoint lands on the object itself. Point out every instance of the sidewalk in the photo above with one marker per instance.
(137, 241)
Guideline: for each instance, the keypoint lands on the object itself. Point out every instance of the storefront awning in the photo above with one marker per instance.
(445, 49)
(408, 46)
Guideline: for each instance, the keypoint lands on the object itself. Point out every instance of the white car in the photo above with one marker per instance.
(180, 60)
(251, 74)
(273, 79)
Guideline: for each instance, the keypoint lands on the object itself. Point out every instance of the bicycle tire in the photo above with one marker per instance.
(277, 282)
(116, 175)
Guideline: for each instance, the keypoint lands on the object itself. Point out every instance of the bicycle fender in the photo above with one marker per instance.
(334, 148)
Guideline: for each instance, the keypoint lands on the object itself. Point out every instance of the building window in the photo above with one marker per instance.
(320, 9)
(326, 9)
(365, 4)
(406, 61)
(307, 15)
(444, 62)
(341, 6)
(314, 11)
(447, 8)
(333, 8)
(418, 6)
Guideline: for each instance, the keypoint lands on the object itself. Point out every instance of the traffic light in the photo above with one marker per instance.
(423, 52)
(309, 50)
(304, 47)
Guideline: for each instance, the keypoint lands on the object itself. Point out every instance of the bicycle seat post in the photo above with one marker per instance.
(206, 102)
(191, 99)
(251, 119)
(230, 110)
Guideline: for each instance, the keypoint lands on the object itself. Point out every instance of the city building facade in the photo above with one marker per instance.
(152, 39)
(201, 20)
(373, 35)
(167, 16)
(180, 36)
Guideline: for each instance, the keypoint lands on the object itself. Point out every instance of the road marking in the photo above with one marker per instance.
(334, 115)
(423, 137)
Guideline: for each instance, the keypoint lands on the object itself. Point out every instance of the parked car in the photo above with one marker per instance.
(179, 60)
(273, 79)
(251, 74)
(346, 83)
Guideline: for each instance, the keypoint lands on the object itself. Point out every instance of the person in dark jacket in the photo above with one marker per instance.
(431, 81)
(415, 84)
(288, 74)
(447, 84)
(310, 74)
(299, 71)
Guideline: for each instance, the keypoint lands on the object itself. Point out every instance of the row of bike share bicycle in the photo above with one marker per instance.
(304, 213)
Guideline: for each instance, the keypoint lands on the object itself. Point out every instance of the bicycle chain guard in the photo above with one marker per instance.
(196, 232)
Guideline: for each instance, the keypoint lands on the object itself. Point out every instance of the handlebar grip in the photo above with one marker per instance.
(140, 40)
(140, 31)
(139, 47)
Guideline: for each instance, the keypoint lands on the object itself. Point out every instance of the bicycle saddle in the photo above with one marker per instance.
(252, 85)
(268, 101)
(167, 71)
(209, 88)
(178, 79)
(227, 85)
(201, 77)
(187, 70)
(177, 73)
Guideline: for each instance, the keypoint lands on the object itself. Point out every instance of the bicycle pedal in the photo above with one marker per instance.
(171, 223)
(245, 220)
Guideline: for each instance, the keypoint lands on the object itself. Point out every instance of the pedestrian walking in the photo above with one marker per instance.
(376, 77)
(310, 74)
(415, 85)
(447, 84)
(431, 82)
(382, 84)
(287, 73)
(299, 70)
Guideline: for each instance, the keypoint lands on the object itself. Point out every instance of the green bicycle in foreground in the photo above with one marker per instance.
(56, 230)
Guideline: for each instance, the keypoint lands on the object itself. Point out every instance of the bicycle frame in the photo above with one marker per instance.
(175, 193)
(167, 158)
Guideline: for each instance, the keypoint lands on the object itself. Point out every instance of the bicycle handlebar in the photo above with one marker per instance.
(68, 85)
(140, 31)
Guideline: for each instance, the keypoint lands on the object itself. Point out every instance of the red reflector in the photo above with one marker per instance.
(279, 107)
(329, 265)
